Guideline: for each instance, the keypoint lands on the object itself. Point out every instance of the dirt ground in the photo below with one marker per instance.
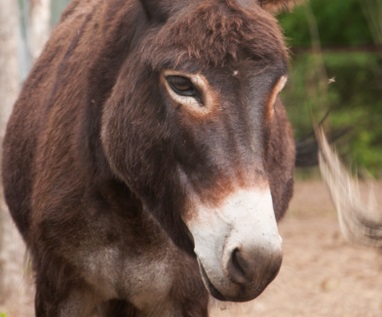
(322, 275)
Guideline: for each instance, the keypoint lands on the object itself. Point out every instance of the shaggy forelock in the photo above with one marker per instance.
(214, 37)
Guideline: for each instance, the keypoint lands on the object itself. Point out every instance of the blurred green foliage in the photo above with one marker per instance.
(348, 82)
(341, 23)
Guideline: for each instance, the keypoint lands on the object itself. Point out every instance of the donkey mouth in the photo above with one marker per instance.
(241, 294)
(210, 287)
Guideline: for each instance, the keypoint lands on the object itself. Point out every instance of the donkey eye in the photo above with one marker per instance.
(183, 86)
(187, 90)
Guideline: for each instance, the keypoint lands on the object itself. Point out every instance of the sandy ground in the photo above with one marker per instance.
(322, 275)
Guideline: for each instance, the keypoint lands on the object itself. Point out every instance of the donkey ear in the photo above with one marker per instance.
(157, 11)
(277, 5)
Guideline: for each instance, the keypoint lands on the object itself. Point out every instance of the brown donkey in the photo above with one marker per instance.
(148, 157)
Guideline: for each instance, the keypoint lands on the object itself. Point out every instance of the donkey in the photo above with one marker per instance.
(148, 158)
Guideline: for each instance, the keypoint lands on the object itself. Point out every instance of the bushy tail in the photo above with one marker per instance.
(355, 216)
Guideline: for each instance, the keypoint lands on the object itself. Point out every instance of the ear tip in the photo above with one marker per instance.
(278, 5)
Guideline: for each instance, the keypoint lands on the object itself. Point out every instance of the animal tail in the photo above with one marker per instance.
(355, 215)
(307, 149)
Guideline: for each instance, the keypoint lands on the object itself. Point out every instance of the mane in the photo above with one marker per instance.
(215, 34)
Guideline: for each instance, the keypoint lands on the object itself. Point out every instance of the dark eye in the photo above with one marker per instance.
(183, 86)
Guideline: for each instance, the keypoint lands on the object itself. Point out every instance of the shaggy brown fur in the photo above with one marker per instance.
(225, 32)
(93, 149)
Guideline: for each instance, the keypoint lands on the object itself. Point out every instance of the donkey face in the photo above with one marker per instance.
(189, 128)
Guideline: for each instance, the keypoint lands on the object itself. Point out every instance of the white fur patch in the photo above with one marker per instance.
(244, 220)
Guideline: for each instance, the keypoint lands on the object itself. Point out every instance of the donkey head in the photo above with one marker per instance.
(195, 128)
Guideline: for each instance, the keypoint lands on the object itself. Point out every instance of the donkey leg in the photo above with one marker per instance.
(117, 308)
(187, 298)
(190, 309)
(63, 297)
(76, 304)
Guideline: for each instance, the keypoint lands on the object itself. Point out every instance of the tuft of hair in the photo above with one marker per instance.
(355, 216)
(279, 5)
(218, 36)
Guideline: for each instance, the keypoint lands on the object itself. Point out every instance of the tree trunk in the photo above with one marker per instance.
(39, 26)
(15, 293)
(9, 75)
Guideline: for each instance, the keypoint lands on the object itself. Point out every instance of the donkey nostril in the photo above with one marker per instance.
(244, 268)
(237, 267)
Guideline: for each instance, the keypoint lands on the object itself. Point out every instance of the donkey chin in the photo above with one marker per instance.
(237, 244)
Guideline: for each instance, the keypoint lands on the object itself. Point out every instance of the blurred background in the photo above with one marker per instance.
(335, 68)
